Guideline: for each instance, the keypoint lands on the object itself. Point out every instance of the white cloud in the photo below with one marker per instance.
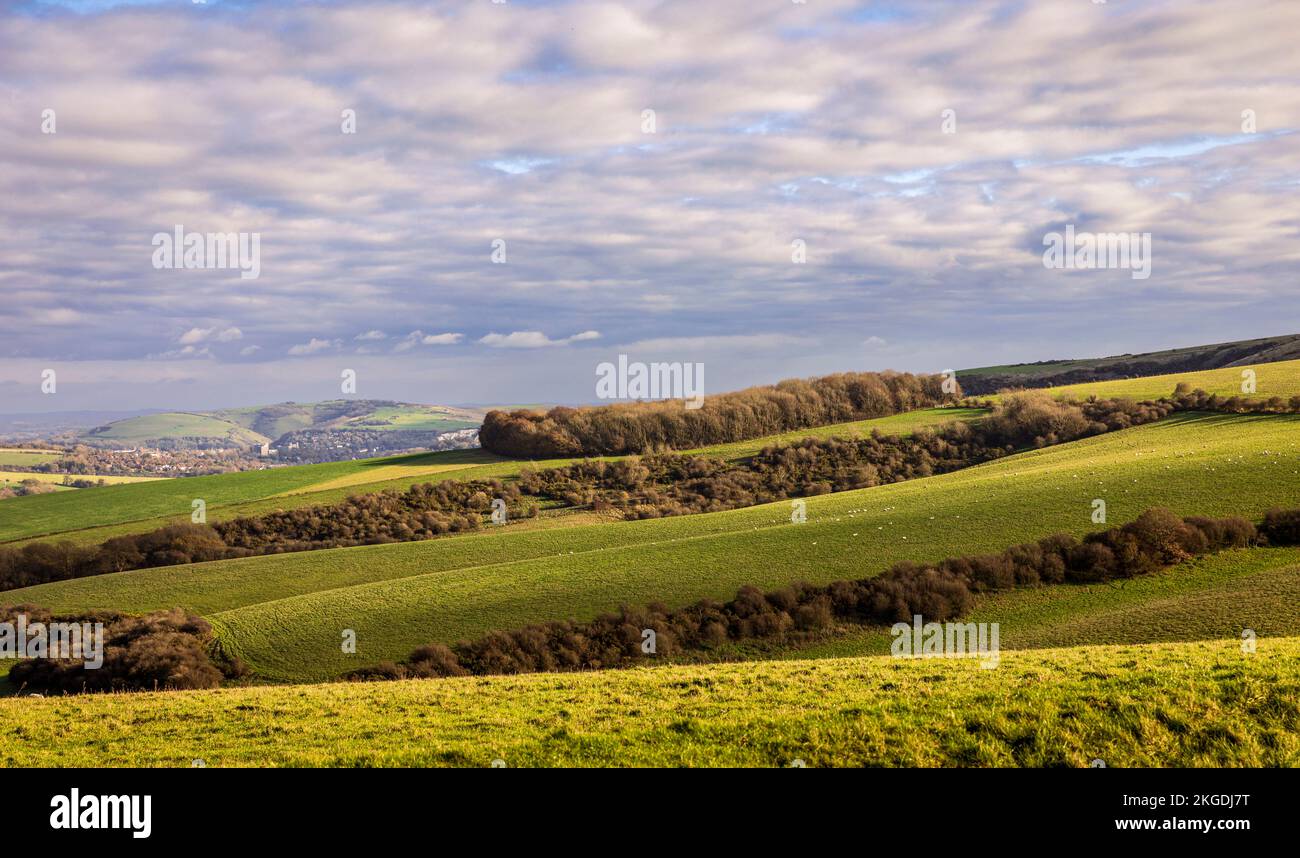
(420, 338)
(200, 335)
(533, 339)
(680, 238)
(313, 346)
(441, 339)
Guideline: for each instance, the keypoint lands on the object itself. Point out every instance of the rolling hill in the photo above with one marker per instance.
(1149, 671)
(284, 613)
(248, 427)
(251, 492)
(1054, 373)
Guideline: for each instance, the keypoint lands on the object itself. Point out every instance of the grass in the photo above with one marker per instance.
(1272, 379)
(412, 418)
(285, 614)
(23, 459)
(1202, 704)
(254, 492)
(175, 424)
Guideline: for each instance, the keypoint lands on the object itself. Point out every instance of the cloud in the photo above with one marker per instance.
(420, 338)
(189, 351)
(441, 339)
(533, 339)
(681, 237)
(313, 346)
(199, 335)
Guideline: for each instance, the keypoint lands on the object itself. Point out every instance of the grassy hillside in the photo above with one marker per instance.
(272, 421)
(245, 427)
(1271, 379)
(285, 613)
(252, 492)
(1202, 704)
(988, 379)
(135, 431)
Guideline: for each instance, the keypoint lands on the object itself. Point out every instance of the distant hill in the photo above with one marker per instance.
(1052, 373)
(339, 420)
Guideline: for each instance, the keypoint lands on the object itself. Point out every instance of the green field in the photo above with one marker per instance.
(1197, 704)
(285, 614)
(1272, 379)
(138, 509)
(21, 460)
(431, 418)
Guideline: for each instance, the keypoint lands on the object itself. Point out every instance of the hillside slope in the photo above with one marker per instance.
(1052, 373)
(1200, 704)
(245, 427)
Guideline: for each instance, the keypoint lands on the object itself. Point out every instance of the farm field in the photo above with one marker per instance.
(1185, 704)
(253, 492)
(21, 459)
(56, 479)
(284, 614)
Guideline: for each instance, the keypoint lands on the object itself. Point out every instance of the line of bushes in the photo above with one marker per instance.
(641, 427)
(938, 592)
(163, 650)
(421, 512)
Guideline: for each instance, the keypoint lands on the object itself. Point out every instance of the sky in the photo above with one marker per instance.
(480, 202)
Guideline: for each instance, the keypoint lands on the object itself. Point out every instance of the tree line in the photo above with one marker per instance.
(639, 427)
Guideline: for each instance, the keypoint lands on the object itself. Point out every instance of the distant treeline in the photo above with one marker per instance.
(937, 592)
(165, 650)
(640, 427)
(650, 486)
